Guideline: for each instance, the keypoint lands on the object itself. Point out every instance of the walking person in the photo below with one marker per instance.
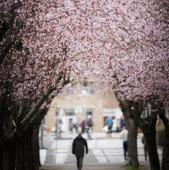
(75, 127)
(89, 127)
(109, 123)
(82, 125)
(122, 122)
(145, 147)
(58, 128)
(79, 147)
(124, 137)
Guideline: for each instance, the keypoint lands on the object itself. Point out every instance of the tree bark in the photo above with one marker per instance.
(41, 137)
(6, 147)
(1, 157)
(1, 138)
(9, 156)
(165, 155)
(132, 143)
(28, 119)
(150, 138)
(149, 131)
(35, 109)
(36, 145)
(27, 158)
(20, 154)
(130, 113)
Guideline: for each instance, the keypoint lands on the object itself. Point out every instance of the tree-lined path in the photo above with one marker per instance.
(47, 44)
(90, 167)
(102, 152)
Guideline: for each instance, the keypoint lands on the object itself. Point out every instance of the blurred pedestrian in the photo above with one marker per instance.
(82, 125)
(89, 127)
(75, 127)
(124, 137)
(79, 147)
(109, 123)
(122, 122)
(58, 127)
(145, 147)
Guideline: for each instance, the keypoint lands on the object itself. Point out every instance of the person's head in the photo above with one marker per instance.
(80, 133)
(124, 127)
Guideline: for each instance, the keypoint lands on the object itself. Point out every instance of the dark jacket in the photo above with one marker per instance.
(78, 146)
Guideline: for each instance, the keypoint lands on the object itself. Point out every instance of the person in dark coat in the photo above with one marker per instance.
(79, 147)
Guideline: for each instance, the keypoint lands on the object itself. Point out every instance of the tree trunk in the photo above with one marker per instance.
(130, 113)
(150, 138)
(132, 143)
(36, 145)
(1, 146)
(41, 137)
(26, 157)
(165, 155)
(7, 145)
(149, 131)
(28, 119)
(29, 160)
(9, 156)
(1, 157)
(20, 154)
(2, 113)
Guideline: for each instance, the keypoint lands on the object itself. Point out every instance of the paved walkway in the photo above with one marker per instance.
(91, 167)
(104, 154)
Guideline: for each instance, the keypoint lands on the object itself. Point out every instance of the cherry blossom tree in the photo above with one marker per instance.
(34, 66)
(122, 43)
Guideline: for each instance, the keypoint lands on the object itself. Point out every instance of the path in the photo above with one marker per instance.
(104, 154)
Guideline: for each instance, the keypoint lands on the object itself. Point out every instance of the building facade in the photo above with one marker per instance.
(79, 101)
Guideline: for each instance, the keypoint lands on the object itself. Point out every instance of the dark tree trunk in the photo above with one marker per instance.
(1, 131)
(165, 155)
(41, 137)
(1, 157)
(5, 159)
(1, 140)
(20, 154)
(1, 144)
(149, 131)
(150, 138)
(7, 147)
(28, 151)
(26, 157)
(130, 114)
(132, 143)
(9, 156)
(36, 146)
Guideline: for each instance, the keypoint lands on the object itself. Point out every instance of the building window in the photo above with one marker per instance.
(89, 113)
(70, 113)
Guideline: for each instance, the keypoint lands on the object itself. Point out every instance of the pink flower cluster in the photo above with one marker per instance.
(120, 43)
